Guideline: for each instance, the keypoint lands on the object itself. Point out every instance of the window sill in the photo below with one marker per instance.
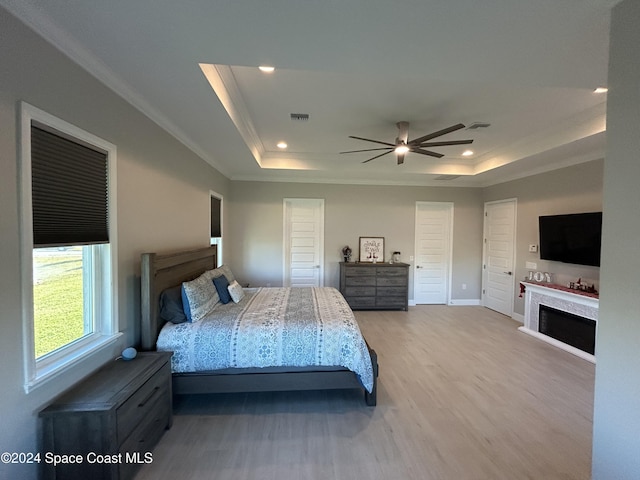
(57, 366)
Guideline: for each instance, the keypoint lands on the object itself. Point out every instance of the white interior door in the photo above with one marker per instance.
(498, 262)
(303, 242)
(432, 269)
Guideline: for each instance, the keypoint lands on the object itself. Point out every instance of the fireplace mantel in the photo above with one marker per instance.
(558, 297)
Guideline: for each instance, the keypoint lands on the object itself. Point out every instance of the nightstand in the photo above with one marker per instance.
(110, 421)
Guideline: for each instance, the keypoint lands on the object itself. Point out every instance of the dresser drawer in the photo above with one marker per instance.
(391, 271)
(361, 302)
(391, 302)
(391, 281)
(391, 291)
(360, 271)
(141, 403)
(360, 281)
(359, 291)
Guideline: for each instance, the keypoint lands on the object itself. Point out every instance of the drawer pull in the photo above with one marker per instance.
(148, 397)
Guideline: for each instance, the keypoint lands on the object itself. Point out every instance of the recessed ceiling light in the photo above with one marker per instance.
(467, 153)
(266, 68)
(282, 145)
(601, 90)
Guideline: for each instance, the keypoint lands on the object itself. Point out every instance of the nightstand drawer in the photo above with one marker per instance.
(145, 436)
(140, 404)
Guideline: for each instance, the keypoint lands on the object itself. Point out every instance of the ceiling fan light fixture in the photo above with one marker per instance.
(401, 149)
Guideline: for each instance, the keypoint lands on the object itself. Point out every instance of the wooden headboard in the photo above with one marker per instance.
(159, 272)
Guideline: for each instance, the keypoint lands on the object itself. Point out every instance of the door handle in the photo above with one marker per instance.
(508, 273)
(418, 266)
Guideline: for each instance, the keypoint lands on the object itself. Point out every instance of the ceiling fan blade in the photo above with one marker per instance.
(378, 156)
(366, 150)
(444, 131)
(374, 141)
(444, 144)
(427, 152)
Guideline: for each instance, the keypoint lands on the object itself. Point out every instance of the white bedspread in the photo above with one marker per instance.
(272, 327)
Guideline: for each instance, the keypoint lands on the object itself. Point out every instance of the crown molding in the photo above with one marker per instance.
(70, 47)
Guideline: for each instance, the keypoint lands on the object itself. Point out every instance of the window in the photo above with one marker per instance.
(68, 244)
(216, 224)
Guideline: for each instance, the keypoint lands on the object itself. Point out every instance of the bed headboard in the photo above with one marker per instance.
(159, 272)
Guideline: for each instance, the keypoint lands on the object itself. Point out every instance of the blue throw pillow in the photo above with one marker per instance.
(171, 305)
(185, 304)
(222, 286)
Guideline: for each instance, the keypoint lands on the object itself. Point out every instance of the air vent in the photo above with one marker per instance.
(476, 125)
(447, 177)
(299, 117)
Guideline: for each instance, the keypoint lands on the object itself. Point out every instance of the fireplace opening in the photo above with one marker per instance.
(579, 332)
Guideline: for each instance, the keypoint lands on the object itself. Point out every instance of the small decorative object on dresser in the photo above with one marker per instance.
(346, 253)
(111, 420)
(381, 286)
(372, 249)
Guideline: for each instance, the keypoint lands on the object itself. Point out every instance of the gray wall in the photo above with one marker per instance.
(616, 428)
(351, 211)
(158, 178)
(573, 189)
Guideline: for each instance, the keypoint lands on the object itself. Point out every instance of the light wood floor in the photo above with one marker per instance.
(461, 395)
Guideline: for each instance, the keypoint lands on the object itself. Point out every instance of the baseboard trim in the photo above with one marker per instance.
(465, 302)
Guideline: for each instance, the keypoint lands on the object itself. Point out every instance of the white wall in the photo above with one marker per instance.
(616, 428)
(158, 179)
(351, 211)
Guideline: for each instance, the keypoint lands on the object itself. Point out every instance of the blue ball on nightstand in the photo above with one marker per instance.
(129, 353)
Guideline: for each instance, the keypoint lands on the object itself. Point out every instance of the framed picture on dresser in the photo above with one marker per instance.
(371, 249)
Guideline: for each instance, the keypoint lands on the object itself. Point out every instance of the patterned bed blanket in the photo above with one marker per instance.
(272, 327)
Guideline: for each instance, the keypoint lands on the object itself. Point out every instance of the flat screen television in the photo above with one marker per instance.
(573, 238)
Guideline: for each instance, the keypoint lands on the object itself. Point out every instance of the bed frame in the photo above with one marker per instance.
(159, 272)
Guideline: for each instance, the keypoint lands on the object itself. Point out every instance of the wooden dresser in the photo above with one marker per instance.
(110, 421)
(375, 286)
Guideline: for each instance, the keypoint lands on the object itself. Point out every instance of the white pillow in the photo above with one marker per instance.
(236, 291)
(202, 296)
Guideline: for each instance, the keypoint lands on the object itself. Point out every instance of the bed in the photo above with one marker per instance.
(342, 359)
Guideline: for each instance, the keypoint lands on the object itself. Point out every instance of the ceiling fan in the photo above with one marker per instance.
(403, 145)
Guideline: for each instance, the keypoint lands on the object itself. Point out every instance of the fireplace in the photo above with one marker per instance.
(574, 331)
(568, 328)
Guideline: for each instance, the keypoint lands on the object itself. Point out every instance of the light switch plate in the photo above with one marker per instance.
(531, 265)
(533, 248)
